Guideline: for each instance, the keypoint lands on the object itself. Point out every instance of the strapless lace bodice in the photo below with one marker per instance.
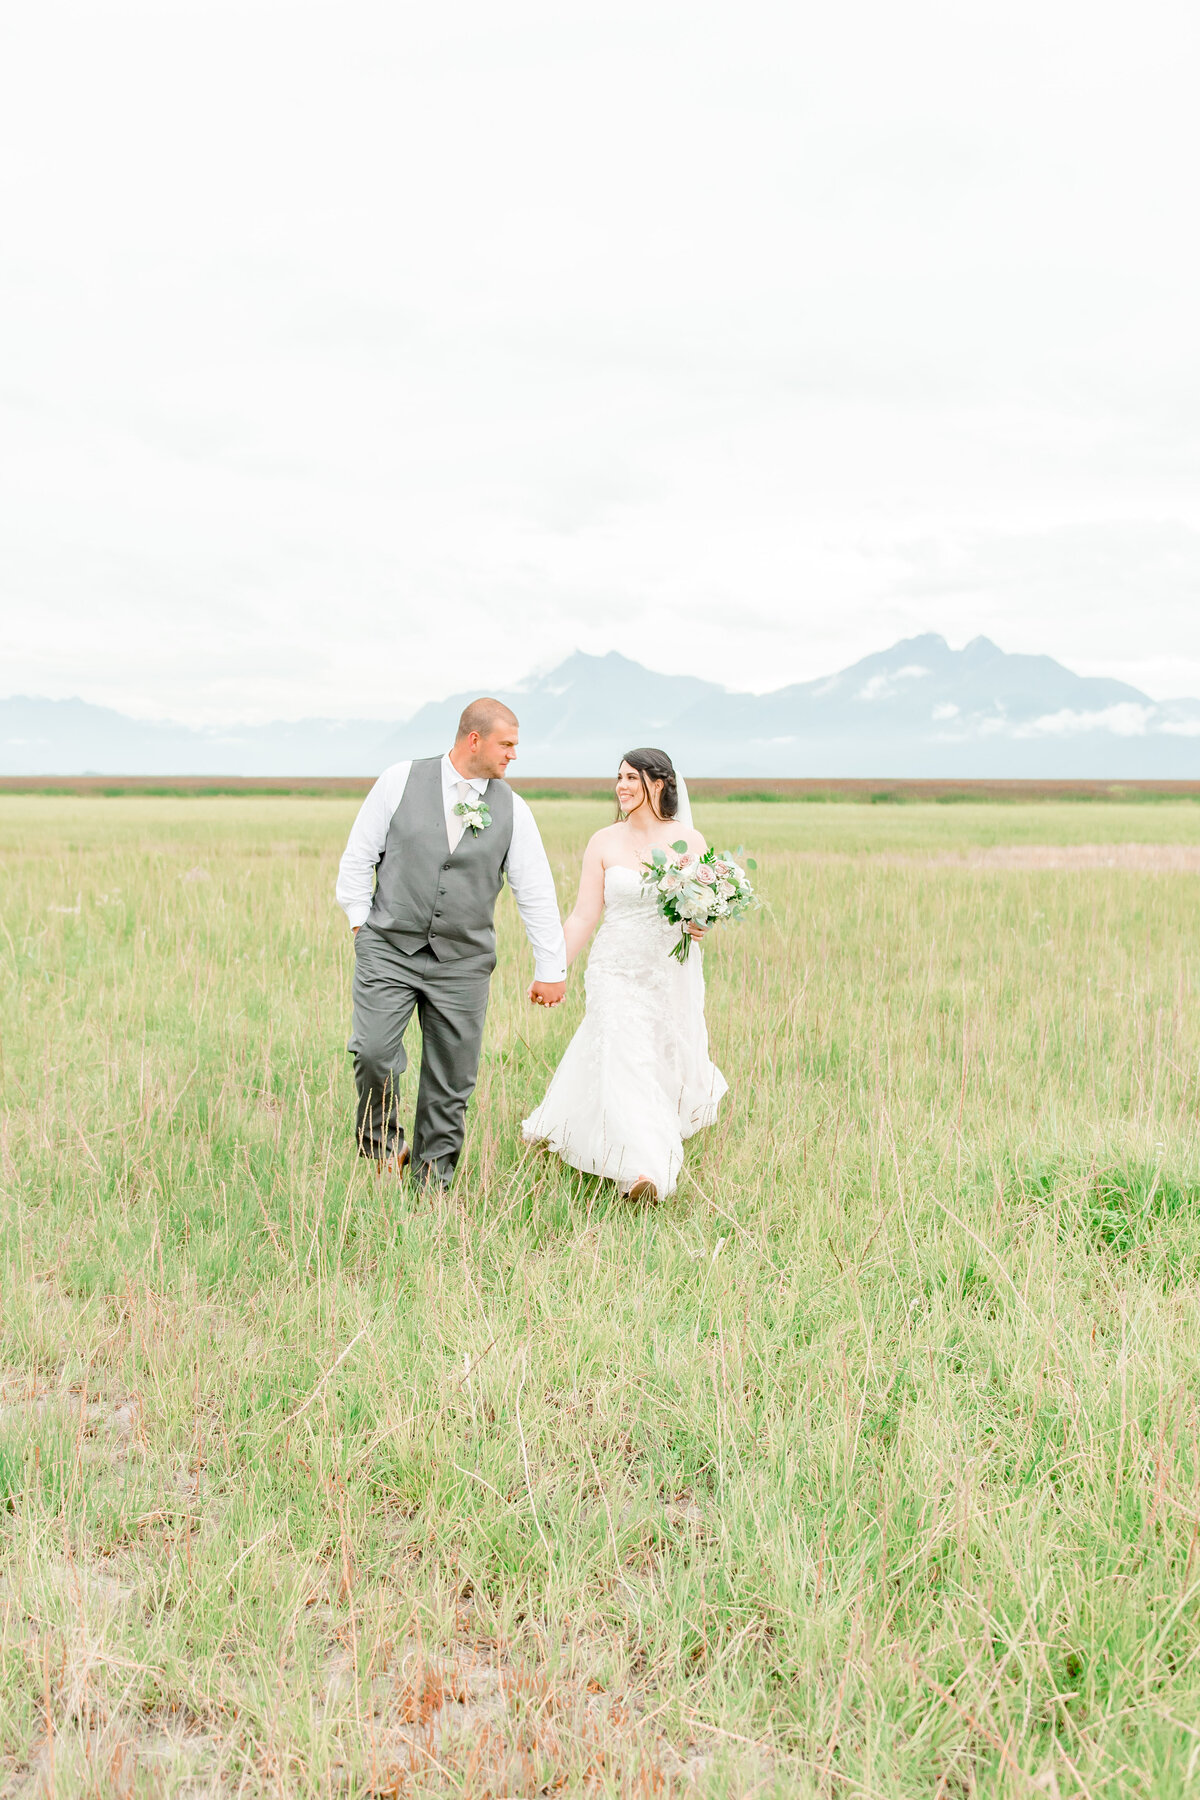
(624, 894)
(632, 924)
(636, 1078)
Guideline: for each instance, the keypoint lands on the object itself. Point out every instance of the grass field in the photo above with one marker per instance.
(867, 1465)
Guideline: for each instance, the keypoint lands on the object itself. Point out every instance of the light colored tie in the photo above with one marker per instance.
(455, 823)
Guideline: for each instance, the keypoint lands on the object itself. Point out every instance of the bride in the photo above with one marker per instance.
(636, 1078)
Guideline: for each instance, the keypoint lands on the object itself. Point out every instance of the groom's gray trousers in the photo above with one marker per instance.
(450, 1001)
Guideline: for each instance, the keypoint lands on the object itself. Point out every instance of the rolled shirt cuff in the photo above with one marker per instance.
(359, 913)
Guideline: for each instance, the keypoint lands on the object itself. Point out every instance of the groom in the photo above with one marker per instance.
(427, 855)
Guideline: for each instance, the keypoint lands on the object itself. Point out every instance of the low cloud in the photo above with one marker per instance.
(1126, 720)
(882, 687)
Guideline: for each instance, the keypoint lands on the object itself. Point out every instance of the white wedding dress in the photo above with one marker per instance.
(636, 1078)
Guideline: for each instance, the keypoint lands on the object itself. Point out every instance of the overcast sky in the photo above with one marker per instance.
(356, 353)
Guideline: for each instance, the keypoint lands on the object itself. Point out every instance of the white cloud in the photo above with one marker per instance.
(367, 352)
(881, 687)
(1125, 720)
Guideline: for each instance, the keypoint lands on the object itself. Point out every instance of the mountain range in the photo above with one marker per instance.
(916, 709)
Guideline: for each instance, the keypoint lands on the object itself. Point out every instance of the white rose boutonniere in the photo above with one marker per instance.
(475, 814)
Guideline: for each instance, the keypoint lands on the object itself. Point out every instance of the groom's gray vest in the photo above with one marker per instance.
(427, 894)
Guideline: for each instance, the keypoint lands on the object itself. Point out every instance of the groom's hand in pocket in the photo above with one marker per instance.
(547, 993)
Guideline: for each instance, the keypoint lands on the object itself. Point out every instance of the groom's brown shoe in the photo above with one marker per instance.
(396, 1163)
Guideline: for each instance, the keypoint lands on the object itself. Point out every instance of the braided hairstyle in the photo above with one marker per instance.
(655, 765)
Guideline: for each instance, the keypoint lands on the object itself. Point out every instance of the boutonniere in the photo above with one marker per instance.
(474, 813)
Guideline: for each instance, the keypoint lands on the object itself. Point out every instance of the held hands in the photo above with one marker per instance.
(547, 993)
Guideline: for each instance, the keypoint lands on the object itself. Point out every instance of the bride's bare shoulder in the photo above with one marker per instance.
(605, 839)
(695, 841)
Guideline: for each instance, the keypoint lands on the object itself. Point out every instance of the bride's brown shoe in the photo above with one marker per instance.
(641, 1189)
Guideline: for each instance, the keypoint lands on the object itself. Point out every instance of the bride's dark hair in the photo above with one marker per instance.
(655, 765)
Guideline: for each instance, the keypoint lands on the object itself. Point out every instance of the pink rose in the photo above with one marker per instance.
(707, 874)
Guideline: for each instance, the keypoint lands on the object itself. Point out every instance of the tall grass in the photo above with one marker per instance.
(867, 1465)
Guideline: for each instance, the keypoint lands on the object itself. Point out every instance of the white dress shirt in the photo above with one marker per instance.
(527, 869)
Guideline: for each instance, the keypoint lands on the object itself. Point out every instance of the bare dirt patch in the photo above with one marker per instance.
(477, 1723)
(1146, 858)
(1151, 859)
(26, 1401)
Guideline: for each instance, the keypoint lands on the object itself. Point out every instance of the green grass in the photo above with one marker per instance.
(867, 1465)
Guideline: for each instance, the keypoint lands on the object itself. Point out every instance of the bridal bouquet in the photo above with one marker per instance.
(697, 890)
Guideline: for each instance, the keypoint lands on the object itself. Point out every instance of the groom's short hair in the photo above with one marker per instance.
(483, 716)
